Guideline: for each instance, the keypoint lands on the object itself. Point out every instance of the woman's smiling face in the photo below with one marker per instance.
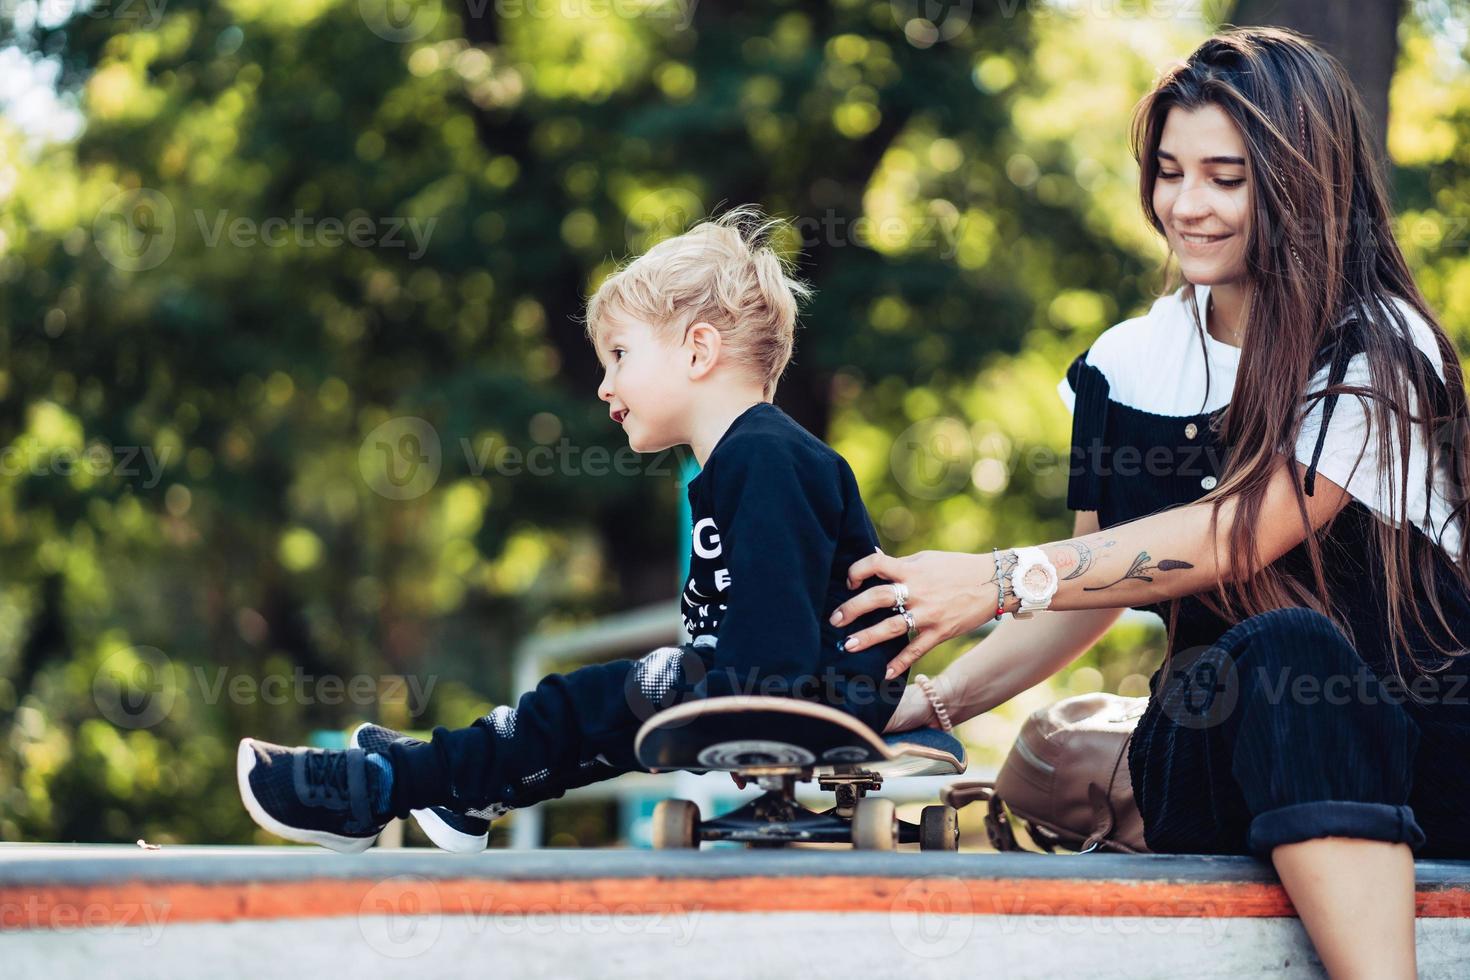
(1202, 194)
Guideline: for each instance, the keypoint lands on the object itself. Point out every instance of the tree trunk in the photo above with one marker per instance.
(1362, 34)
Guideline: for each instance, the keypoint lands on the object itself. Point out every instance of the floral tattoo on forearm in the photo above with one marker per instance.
(1141, 569)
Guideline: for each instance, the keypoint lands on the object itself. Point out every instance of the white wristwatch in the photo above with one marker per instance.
(1034, 580)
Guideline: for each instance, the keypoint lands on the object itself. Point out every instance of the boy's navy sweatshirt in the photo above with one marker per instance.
(777, 520)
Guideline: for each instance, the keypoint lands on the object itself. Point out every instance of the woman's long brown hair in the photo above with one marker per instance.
(1321, 261)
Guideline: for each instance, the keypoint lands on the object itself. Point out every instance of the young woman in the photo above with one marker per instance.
(1274, 458)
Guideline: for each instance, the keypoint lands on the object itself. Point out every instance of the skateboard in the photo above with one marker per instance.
(776, 742)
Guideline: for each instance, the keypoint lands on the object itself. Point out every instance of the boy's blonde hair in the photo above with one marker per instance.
(723, 272)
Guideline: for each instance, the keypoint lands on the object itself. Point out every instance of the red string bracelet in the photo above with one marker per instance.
(1000, 589)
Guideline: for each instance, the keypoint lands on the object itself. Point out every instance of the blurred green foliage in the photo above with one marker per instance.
(190, 498)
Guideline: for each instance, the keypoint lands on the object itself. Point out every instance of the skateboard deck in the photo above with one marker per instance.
(750, 734)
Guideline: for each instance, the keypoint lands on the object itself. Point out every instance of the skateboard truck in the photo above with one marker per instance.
(775, 818)
(776, 743)
(850, 787)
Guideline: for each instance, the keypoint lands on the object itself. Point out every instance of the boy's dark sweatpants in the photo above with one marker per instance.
(578, 728)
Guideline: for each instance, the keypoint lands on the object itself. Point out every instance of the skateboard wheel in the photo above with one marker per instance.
(939, 829)
(874, 825)
(675, 825)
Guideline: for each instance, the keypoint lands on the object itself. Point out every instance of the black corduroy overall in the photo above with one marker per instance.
(1278, 728)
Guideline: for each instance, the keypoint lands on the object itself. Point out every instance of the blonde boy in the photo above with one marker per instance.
(693, 337)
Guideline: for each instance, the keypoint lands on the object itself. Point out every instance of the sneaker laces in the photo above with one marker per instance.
(326, 774)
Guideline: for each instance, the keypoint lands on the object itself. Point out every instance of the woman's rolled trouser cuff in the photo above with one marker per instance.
(1334, 818)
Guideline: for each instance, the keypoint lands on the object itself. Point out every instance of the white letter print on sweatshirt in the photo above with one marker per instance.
(707, 583)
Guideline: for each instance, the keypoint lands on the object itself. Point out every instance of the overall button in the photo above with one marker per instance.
(1191, 430)
(1208, 483)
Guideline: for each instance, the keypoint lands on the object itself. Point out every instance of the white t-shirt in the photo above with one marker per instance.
(1154, 363)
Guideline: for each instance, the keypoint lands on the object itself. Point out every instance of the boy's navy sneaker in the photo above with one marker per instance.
(315, 796)
(462, 833)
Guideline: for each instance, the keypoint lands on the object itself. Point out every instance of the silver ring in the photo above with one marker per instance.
(900, 595)
(908, 618)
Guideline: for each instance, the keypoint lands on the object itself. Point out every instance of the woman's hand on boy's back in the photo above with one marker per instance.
(949, 594)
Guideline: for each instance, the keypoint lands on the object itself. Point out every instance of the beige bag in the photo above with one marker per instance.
(1067, 778)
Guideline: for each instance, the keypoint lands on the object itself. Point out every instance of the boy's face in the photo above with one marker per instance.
(644, 384)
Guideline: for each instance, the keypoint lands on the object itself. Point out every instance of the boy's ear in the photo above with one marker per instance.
(702, 345)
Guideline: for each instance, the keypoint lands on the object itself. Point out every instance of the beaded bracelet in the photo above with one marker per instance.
(940, 711)
(1001, 581)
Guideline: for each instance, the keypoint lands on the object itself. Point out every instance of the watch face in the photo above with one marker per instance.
(1036, 580)
(1033, 583)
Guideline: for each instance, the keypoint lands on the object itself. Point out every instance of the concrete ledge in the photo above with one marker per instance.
(245, 912)
(224, 883)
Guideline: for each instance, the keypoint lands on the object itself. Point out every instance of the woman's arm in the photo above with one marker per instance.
(1015, 655)
(1021, 653)
(1163, 556)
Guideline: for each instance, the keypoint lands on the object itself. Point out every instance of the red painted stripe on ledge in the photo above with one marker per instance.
(152, 903)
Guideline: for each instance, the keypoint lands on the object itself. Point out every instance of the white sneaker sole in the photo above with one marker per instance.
(443, 836)
(446, 837)
(245, 760)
